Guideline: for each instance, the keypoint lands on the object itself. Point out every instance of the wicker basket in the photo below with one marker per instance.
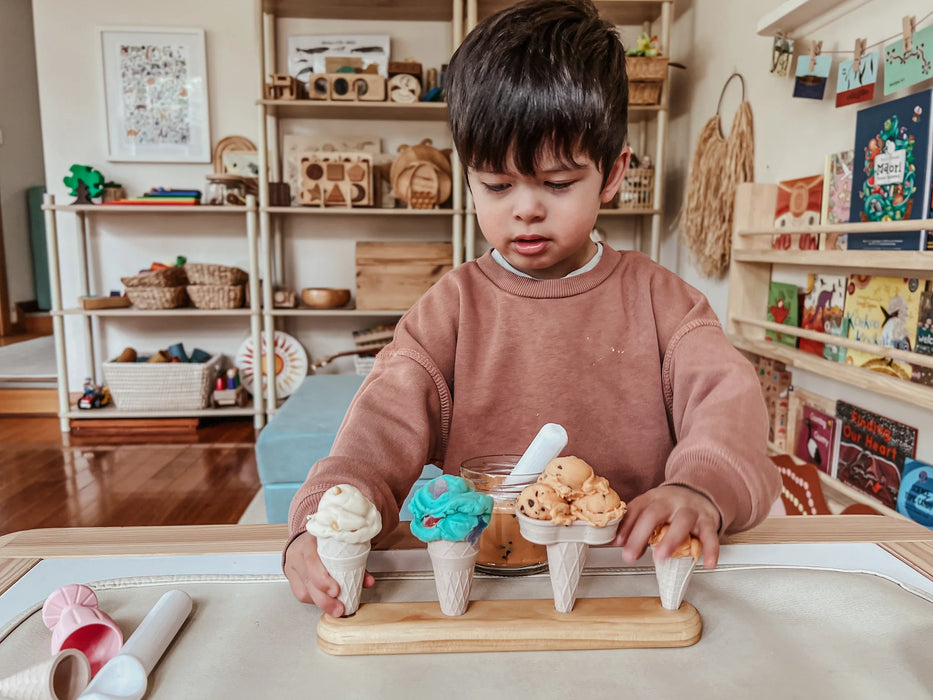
(168, 277)
(637, 190)
(644, 93)
(651, 69)
(216, 296)
(161, 386)
(220, 275)
(150, 298)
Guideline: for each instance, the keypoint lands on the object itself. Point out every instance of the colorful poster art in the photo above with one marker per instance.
(811, 83)
(905, 68)
(853, 86)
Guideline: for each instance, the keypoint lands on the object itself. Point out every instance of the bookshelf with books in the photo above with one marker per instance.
(750, 281)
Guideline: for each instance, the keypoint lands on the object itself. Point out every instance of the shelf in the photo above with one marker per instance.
(894, 262)
(908, 392)
(621, 12)
(408, 11)
(147, 209)
(629, 212)
(359, 211)
(793, 14)
(326, 109)
(855, 227)
(338, 312)
(149, 313)
(112, 413)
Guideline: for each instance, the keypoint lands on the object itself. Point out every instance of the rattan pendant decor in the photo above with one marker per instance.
(719, 164)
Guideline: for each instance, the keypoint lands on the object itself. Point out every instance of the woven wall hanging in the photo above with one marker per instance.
(719, 164)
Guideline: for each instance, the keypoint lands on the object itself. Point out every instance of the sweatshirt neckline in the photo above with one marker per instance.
(549, 289)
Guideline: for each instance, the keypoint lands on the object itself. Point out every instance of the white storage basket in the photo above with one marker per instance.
(161, 386)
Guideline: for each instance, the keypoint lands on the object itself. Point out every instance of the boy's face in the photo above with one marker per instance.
(541, 223)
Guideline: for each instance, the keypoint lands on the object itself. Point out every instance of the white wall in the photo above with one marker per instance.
(21, 150)
(792, 136)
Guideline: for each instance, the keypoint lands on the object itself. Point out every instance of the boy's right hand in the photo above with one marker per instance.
(308, 578)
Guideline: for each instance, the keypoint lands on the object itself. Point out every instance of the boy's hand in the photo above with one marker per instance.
(309, 579)
(687, 511)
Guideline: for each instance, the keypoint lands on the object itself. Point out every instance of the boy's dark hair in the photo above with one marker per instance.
(540, 73)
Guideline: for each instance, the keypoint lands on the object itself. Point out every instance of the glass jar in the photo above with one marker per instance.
(502, 549)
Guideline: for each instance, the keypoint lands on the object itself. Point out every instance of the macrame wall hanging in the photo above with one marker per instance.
(718, 166)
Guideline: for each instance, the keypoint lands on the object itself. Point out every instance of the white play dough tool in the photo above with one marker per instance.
(126, 676)
(61, 677)
(548, 443)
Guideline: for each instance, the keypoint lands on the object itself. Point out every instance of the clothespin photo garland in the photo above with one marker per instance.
(857, 78)
(908, 60)
(782, 49)
(812, 73)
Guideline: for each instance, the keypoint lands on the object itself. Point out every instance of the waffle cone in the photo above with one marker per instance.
(673, 577)
(68, 673)
(346, 563)
(453, 573)
(565, 561)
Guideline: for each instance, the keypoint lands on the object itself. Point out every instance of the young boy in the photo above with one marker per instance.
(550, 326)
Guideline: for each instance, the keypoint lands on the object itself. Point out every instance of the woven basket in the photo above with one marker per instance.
(646, 68)
(161, 386)
(169, 277)
(150, 298)
(216, 296)
(206, 273)
(644, 93)
(637, 190)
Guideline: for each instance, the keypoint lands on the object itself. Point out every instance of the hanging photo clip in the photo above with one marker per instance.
(858, 52)
(910, 26)
(816, 48)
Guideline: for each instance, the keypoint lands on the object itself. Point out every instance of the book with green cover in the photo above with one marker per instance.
(782, 308)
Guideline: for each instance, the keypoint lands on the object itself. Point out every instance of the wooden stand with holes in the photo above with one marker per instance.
(509, 625)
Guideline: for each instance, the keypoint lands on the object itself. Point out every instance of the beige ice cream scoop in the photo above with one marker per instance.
(598, 508)
(690, 547)
(571, 477)
(542, 502)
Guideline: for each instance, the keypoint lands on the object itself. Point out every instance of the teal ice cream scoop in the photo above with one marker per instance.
(449, 508)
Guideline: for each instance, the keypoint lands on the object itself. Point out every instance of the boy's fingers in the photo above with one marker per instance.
(681, 524)
(709, 538)
(369, 580)
(636, 542)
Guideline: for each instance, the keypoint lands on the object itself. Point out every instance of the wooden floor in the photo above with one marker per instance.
(201, 477)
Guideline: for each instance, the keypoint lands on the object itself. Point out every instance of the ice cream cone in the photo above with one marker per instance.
(453, 573)
(673, 576)
(346, 563)
(565, 561)
(62, 677)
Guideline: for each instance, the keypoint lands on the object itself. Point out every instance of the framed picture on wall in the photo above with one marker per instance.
(155, 92)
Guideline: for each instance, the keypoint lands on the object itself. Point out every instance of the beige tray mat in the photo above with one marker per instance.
(768, 632)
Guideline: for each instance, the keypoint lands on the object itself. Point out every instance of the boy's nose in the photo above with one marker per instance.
(528, 207)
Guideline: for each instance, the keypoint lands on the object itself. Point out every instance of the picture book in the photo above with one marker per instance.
(924, 346)
(782, 308)
(816, 439)
(857, 85)
(872, 451)
(810, 81)
(883, 311)
(839, 327)
(915, 497)
(822, 306)
(798, 399)
(837, 197)
(903, 68)
(891, 175)
(798, 205)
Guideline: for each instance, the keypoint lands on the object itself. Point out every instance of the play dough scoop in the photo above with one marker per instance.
(76, 622)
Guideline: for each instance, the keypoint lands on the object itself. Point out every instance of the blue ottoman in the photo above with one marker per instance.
(300, 433)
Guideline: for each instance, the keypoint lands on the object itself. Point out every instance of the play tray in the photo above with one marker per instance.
(161, 386)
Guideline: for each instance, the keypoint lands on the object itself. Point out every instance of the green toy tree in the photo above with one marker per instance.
(85, 183)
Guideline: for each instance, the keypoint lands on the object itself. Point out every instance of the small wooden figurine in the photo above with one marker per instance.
(85, 183)
(281, 87)
(421, 176)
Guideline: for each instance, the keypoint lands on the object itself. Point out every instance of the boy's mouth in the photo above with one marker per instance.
(529, 245)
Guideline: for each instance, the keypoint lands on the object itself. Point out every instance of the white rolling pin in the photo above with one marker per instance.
(126, 676)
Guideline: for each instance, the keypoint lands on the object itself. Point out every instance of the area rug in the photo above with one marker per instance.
(28, 361)
(255, 513)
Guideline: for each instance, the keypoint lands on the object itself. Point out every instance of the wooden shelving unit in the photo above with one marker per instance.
(750, 276)
(791, 15)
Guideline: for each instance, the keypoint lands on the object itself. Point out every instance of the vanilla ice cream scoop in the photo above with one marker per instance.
(598, 509)
(346, 515)
(572, 478)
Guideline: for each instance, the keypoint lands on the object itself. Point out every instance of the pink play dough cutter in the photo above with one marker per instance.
(76, 622)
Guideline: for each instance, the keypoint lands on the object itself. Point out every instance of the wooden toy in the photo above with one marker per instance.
(281, 87)
(228, 391)
(407, 67)
(349, 87)
(336, 179)
(229, 143)
(279, 194)
(404, 88)
(421, 176)
(85, 183)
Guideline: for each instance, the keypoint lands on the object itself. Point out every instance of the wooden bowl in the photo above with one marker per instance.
(325, 297)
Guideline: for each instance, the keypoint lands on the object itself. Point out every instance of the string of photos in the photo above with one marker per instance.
(906, 59)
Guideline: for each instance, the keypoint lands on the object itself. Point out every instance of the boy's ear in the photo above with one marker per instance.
(616, 173)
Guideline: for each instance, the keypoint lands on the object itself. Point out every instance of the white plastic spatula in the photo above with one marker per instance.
(126, 675)
(548, 443)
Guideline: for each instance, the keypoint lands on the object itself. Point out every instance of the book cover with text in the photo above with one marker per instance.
(915, 497)
(823, 306)
(924, 375)
(798, 205)
(872, 451)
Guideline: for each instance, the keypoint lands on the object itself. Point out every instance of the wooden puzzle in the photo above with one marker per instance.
(336, 179)
(350, 87)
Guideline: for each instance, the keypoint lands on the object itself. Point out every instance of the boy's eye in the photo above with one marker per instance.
(496, 187)
(558, 185)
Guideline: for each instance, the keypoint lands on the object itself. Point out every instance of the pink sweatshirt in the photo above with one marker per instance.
(629, 358)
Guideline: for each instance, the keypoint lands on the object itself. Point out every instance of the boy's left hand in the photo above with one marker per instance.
(687, 511)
